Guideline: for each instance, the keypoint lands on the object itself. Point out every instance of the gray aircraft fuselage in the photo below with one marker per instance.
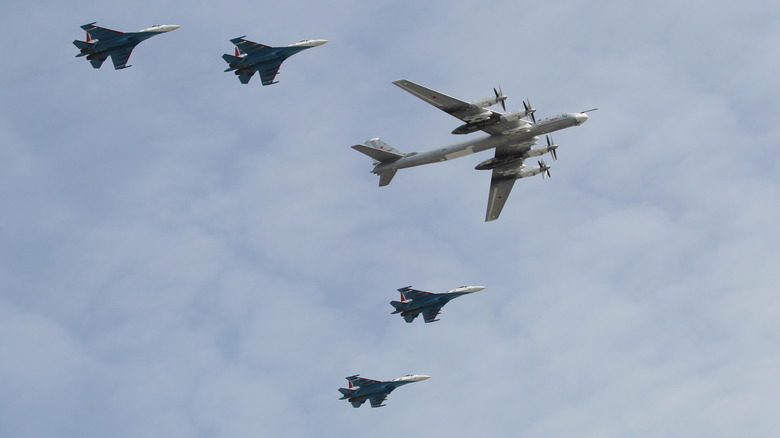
(545, 126)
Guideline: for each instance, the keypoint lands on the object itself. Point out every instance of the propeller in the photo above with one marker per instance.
(529, 110)
(499, 95)
(545, 169)
(552, 147)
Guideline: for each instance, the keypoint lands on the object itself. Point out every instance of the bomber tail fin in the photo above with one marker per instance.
(381, 153)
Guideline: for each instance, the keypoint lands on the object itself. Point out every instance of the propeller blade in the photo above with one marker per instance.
(529, 107)
(499, 94)
(545, 168)
(551, 146)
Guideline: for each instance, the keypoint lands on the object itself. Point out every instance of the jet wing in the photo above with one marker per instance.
(431, 314)
(463, 110)
(101, 33)
(120, 58)
(268, 72)
(360, 381)
(250, 47)
(376, 402)
(414, 293)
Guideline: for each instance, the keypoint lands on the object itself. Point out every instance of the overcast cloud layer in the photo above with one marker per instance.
(183, 255)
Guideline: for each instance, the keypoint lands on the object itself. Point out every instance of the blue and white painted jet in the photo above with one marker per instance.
(511, 134)
(102, 43)
(414, 302)
(251, 57)
(376, 391)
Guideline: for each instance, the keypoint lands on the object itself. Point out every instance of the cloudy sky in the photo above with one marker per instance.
(182, 255)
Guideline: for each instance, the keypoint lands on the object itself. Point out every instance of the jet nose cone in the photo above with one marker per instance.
(170, 27)
(421, 377)
(316, 43)
(477, 288)
(581, 118)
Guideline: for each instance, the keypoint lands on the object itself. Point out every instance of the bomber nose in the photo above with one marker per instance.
(581, 118)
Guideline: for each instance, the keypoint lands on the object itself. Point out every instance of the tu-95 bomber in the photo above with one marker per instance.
(513, 135)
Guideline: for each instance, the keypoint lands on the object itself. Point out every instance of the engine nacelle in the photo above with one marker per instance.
(515, 115)
(492, 163)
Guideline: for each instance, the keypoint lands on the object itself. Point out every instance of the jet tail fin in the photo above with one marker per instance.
(229, 58)
(82, 44)
(397, 305)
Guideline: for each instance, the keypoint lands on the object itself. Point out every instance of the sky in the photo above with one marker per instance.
(182, 255)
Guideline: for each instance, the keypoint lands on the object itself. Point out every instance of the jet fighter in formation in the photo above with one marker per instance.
(102, 43)
(376, 391)
(510, 134)
(251, 57)
(414, 302)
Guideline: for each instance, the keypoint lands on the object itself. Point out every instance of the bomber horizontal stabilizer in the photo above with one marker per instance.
(383, 156)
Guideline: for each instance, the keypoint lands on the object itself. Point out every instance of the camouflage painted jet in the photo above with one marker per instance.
(510, 134)
(251, 57)
(414, 302)
(102, 43)
(376, 391)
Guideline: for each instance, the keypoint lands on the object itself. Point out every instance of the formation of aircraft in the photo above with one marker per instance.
(251, 57)
(376, 391)
(102, 43)
(414, 302)
(511, 134)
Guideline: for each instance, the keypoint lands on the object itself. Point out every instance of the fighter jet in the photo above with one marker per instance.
(511, 134)
(413, 302)
(251, 57)
(376, 391)
(102, 43)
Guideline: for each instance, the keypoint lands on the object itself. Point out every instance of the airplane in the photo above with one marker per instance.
(511, 134)
(102, 43)
(413, 302)
(251, 57)
(376, 391)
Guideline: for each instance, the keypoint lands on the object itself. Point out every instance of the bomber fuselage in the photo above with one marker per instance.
(479, 144)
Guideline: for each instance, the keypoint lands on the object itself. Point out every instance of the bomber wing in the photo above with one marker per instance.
(465, 111)
(484, 119)
(501, 184)
(101, 33)
(377, 402)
